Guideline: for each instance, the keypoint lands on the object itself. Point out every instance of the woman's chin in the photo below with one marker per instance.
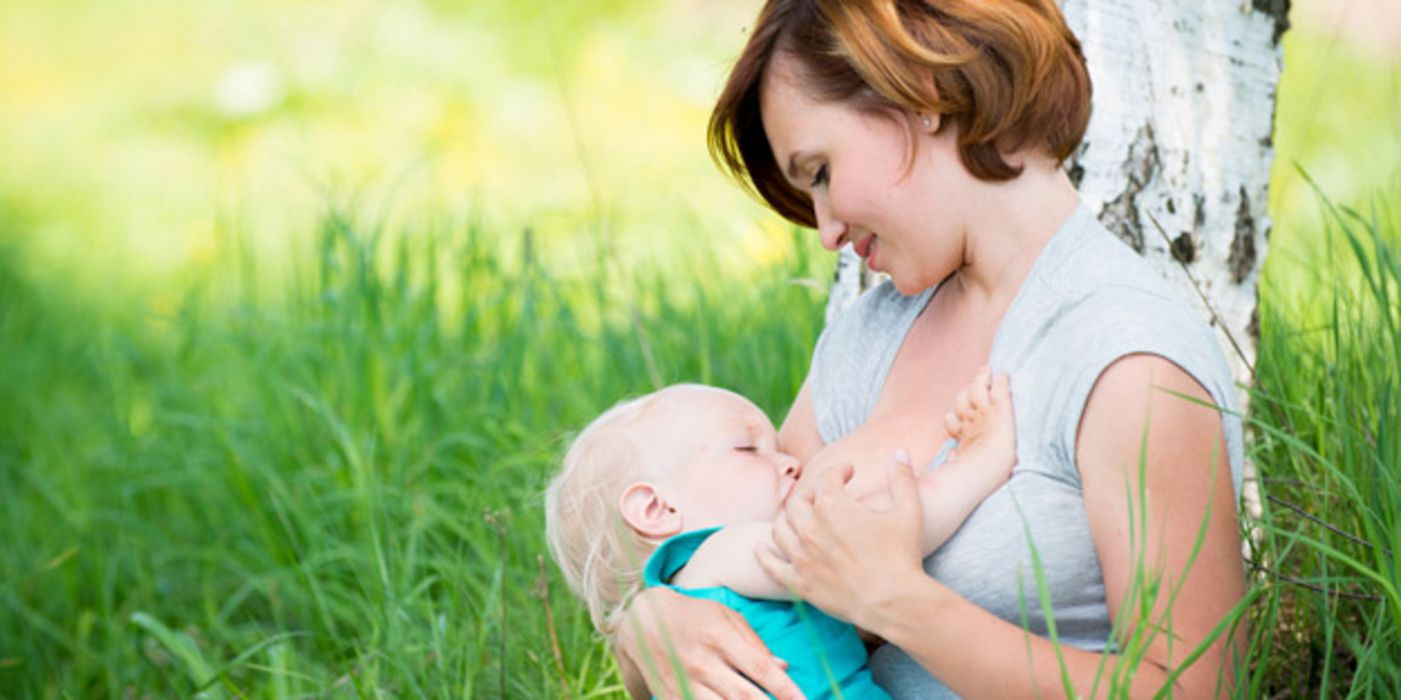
(903, 286)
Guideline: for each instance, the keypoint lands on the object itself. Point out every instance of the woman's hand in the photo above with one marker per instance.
(717, 653)
(843, 556)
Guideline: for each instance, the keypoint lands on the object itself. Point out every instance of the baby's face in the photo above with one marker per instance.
(716, 457)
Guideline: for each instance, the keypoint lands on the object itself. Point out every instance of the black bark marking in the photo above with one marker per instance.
(1242, 258)
(1277, 9)
(1121, 214)
(1184, 249)
(1075, 171)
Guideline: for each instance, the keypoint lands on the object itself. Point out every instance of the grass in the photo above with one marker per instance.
(318, 472)
(340, 489)
(1328, 408)
(337, 491)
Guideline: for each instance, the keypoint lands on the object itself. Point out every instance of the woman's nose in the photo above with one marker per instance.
(830, 229)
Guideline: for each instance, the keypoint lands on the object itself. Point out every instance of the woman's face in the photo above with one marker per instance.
(904, 217)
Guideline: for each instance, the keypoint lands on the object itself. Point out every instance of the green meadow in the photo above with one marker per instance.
(300, 302)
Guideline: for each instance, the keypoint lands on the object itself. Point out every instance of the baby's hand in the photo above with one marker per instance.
(983, 422)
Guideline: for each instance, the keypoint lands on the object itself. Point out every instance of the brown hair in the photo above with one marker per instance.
(1008, 72)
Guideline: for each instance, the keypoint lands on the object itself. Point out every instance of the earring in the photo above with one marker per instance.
(928, 122)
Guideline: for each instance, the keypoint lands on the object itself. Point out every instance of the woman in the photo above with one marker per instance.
(930, 134)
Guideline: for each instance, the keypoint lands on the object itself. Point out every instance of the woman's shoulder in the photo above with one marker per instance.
(1090, 283)
(1099, 302)
(1111, 303)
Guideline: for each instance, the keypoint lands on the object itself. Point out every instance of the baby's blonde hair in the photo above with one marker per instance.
(601, 556)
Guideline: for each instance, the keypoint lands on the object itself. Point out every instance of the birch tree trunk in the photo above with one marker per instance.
(1176, 160)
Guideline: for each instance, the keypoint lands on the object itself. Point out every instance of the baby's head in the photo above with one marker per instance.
(683, 458)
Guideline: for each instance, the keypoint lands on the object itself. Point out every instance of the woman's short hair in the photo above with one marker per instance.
(1008, 73)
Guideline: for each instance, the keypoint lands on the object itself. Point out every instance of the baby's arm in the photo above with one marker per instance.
(726, 558)
(983, 423)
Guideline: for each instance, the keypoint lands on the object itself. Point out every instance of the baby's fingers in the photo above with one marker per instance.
(953, 424)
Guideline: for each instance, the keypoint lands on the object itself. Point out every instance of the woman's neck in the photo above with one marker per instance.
(1021, 216)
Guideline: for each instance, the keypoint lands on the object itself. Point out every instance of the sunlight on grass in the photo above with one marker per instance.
(299, 301)
(151, 133)
(1336, 123)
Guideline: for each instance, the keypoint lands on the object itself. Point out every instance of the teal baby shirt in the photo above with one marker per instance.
(825, 656)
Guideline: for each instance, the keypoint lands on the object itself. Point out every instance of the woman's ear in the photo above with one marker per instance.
(648, 513)
(928, 122)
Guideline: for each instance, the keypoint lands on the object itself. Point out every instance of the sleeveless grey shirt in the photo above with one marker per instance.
(1087, 301)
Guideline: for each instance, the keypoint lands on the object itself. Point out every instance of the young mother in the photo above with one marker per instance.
(930, 135)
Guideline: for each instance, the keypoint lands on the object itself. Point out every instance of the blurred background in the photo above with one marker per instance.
(139, 138)
(285, 285)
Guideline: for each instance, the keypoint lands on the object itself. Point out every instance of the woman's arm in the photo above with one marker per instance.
(1186, 476)
(715, 649)
(865, 566)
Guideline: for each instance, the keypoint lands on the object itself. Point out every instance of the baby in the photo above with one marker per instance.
(690, 480)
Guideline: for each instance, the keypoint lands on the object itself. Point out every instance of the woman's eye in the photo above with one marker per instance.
(748, 448)
(820, 177)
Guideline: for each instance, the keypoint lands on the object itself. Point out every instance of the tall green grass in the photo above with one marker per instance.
(329, 484)
(1327, 429)
(337, 491)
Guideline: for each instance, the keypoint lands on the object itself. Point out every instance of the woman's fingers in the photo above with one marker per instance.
(841, 552)
(797, 511)
(717, 651)
(784, 536)
(742, 652)
(904, 492)
(778, 568)
(767, 671)
(834, 481)
(732, 686)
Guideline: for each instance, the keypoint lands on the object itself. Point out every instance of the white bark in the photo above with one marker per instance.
(1176, 160)
(1177, 157)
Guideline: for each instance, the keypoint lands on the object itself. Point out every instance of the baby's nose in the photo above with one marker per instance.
(792, 467)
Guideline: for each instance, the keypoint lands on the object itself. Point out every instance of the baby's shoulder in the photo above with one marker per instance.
(715, 560)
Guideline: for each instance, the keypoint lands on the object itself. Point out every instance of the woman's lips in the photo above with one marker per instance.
(866, 248)
(863, 246)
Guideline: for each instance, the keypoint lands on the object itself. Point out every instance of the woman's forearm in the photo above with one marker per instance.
(978, 654)
(633, 681)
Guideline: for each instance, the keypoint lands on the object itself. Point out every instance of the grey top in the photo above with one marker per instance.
(1087, 301)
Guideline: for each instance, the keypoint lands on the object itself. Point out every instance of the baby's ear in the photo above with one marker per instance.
(648, 513)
